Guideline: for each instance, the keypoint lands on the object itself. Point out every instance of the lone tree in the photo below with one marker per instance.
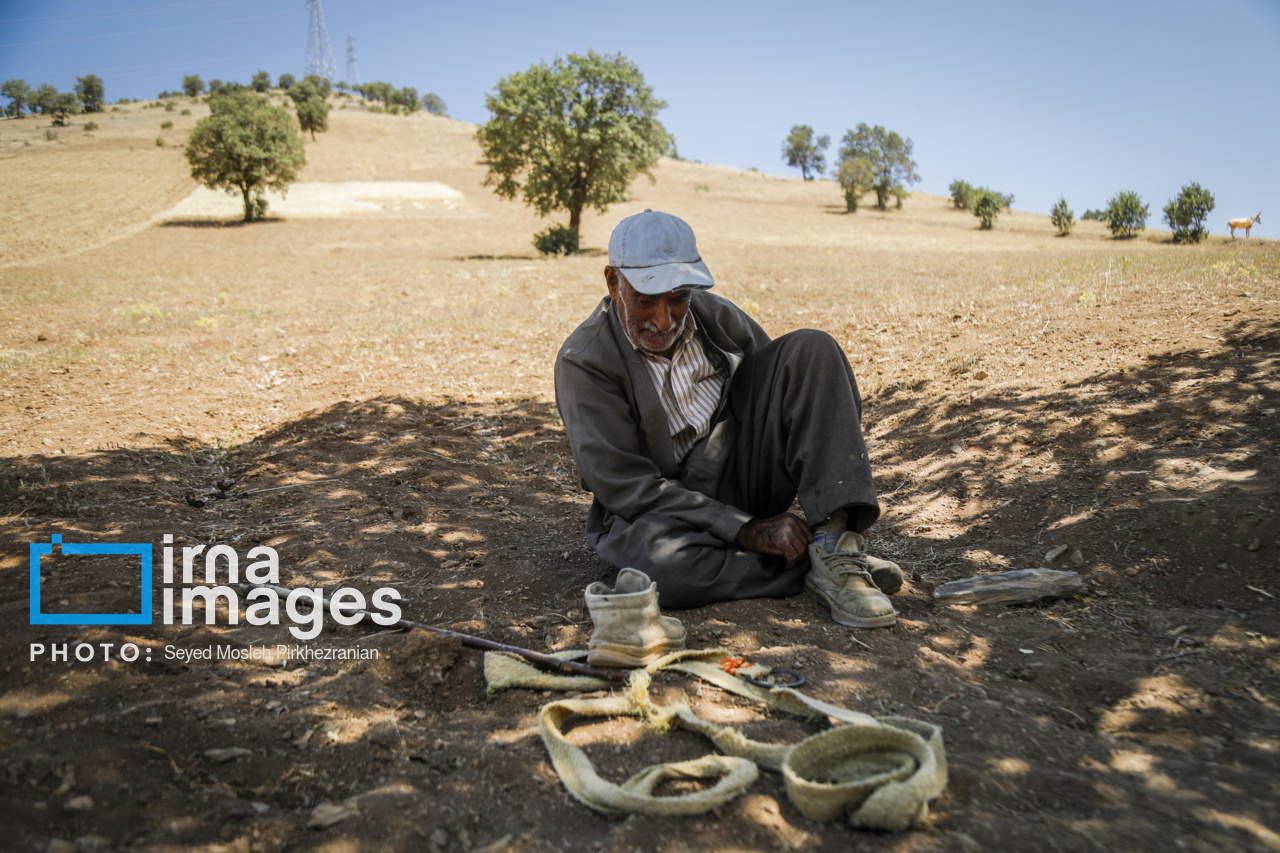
(19, 95)
(91, 93)
(434, 104)
(890, 158)
(803, 150)
(1186, 213)
(246, 144)
(286, 81)
(1126, 215)
(260, 82)
(192, 85)
(572, 134)
(1062, 217)
(313, 109)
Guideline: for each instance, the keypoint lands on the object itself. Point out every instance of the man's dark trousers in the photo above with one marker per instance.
(794, 416)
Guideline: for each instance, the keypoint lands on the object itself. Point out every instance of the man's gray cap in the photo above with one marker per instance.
(658, 253)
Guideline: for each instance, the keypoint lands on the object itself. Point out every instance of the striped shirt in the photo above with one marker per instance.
(689, 384)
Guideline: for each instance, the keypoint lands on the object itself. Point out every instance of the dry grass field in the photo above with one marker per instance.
(377, 380)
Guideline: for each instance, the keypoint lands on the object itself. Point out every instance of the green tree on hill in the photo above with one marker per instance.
(1126, 215)
(408, 98)
(19, 95)
(246, 145)
(260, 82)
(313, 117)
(321, 84)
(434, 104)
(313, 108)
(856, 179)
(42, 99)
(572, 134)
(1186, 213)
(287, 81)
(986, 205)
(192, 85)
(803, 150)
(962, 194)
(64, 104)
(1062, 217)
(91, 93)
(890, 158)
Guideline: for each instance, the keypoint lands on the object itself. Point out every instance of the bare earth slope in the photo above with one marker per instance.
(378, 385)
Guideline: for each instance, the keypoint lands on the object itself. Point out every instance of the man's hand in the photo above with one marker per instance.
(783, 535)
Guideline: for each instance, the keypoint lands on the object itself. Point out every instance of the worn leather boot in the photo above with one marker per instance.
(629, 630)
(830, 533)
(885, 574)
(842, 581)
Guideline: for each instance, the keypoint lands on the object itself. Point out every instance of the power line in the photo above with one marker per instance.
(149, 32)
(120, 13)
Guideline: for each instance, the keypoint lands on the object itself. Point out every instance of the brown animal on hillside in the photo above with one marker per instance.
(1246, 224)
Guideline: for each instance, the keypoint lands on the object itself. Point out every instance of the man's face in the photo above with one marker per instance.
(654, 323)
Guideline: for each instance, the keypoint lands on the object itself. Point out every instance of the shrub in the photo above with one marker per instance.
(159, 141)
(857, 178)
(1093, 216)
(1061, 217)
(556, 240)
(259, 205)
(1186, 213)
(168, 106)
(90, 125)
(962, 194)
(987, 205)
(50, 134)
(186, 112)
(166, 125)
(1126, 215)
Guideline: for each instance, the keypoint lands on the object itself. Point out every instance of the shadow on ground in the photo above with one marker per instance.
(1138, 713)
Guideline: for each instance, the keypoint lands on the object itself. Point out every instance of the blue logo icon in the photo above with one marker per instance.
(142, 549)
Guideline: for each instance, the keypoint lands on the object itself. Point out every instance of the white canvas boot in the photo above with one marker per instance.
(629, 630)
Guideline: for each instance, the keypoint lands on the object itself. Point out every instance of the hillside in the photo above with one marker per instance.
(364, 384)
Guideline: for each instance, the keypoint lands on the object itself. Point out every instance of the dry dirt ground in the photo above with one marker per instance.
(378, 387)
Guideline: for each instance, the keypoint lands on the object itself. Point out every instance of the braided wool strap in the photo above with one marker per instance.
(881, 772)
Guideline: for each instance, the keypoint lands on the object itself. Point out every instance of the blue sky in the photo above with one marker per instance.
(1083, 99)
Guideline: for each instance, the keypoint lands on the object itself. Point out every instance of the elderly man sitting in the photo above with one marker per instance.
(695, 432)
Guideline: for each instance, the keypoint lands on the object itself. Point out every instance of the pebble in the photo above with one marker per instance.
(439, 838)
(1132, 571)
(67, 786)
(59, 845)
(1255, 544)
(1077, 557)
(82, 803)
(222, 756)
(1055, 553)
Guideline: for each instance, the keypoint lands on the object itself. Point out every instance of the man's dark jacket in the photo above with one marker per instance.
(619, 432)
